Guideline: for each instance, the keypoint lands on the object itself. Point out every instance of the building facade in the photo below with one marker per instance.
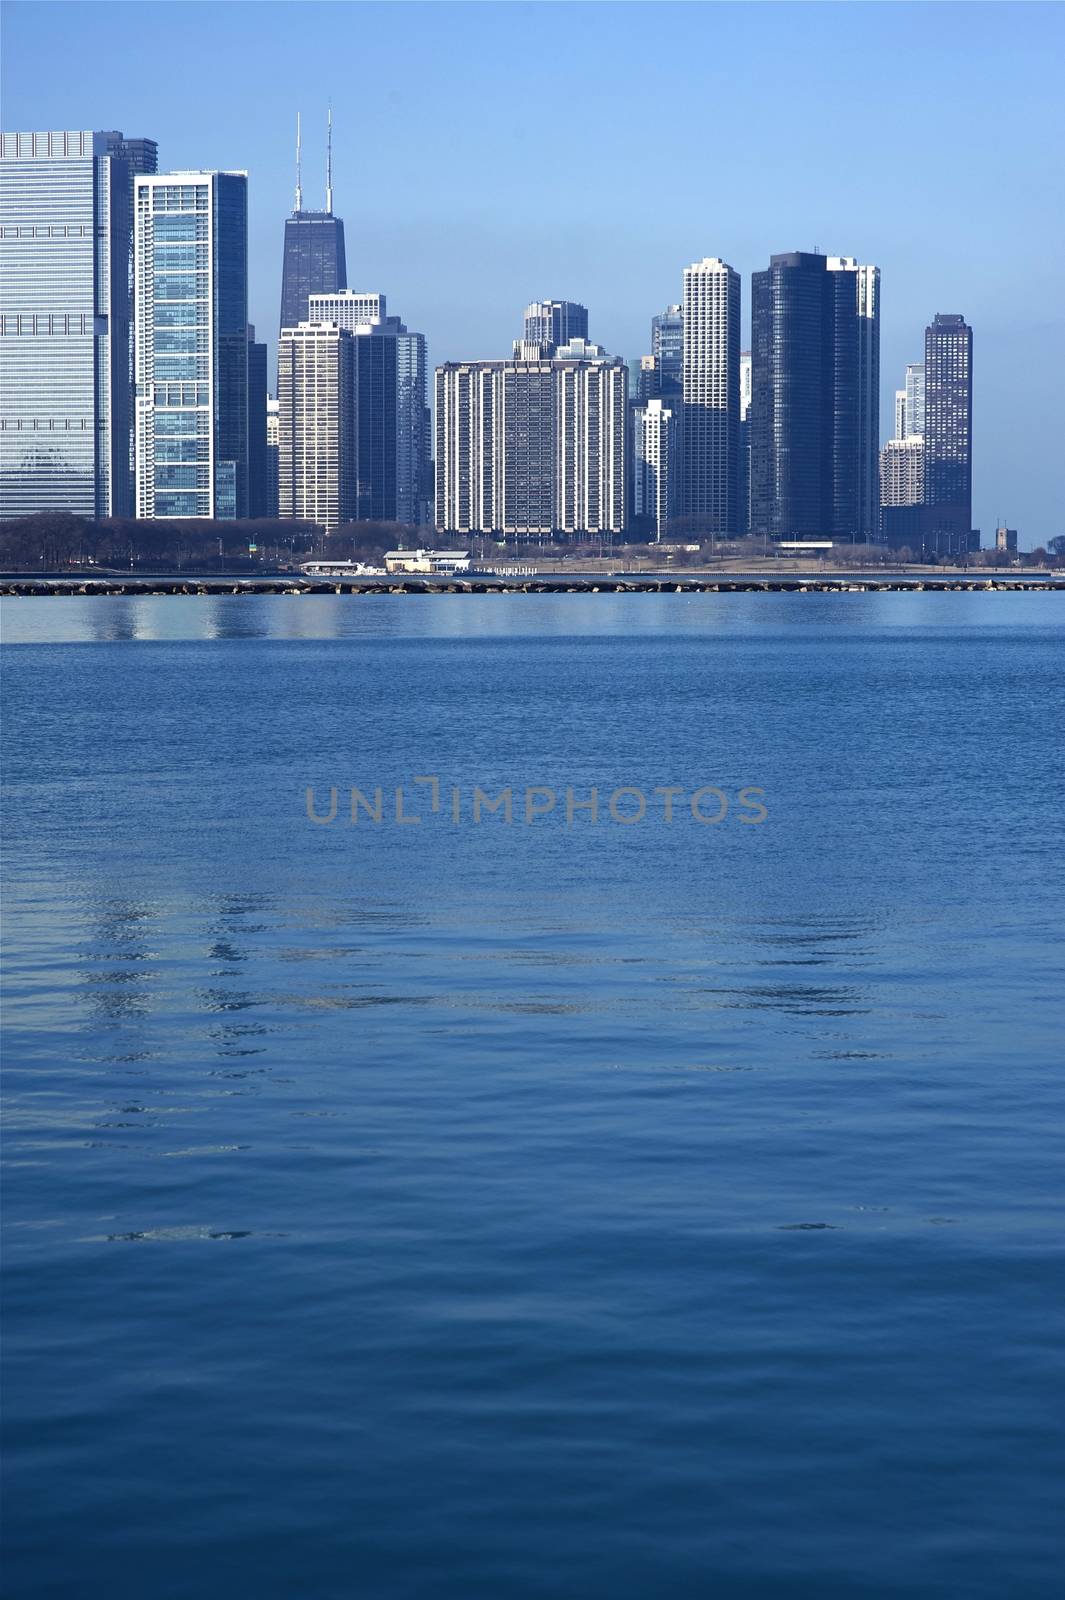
(398, 438)
(465, 453)
(590, 407)
(654, 465)
(809, 374)
(743, 493)
(66, 210)
(711, 393)
(414, 482)
(191, 344)
(273, 448)
(348, 308)
(667, 348)
(258, 486)
(914, 393)
(866, 281)
(554, 322)
(532, 450)
(316, 446)
(948, 430)
(902, 472)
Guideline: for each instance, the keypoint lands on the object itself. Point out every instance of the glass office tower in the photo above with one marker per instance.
(667, 348)
(258, 394)
(65, 297)
(554, 322)
(191, 270)
(807, 379)
(314, 262)
(948, 432)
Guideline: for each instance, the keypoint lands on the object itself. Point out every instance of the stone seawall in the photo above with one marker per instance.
(706, 584)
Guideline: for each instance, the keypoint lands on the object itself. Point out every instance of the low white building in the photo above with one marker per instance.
(427, 561)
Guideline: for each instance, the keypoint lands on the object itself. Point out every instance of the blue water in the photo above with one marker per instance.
(608, 1210)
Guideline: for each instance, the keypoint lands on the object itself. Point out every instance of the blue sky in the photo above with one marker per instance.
(489, 154)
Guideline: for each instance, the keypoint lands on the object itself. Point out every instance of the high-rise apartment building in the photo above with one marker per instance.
(554, 322)
(808, 437)
(902, 472)
(948, 429)
(401, 432)
(191, 344)
(590, 399)
(654, 464)
(901, 429)
(65, 320)
(316, 445)
(866, 281)
(273, 449)
(711, 378)
(258, 488)
(743, 493)
(466, 450)
(314, 260)
(533, 449)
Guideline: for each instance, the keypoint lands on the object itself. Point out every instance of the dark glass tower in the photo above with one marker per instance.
(314, 261)
(804, 418)
(667, 348)
(376, 411)
(258, 484)
(948, 432)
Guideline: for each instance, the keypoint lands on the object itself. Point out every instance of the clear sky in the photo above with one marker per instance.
(490, 154)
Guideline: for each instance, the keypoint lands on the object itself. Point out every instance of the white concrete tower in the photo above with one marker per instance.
(711, 374)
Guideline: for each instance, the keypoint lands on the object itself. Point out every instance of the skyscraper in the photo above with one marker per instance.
(667, 348)
(314, 260)
(711, 374)
(743, 494)
(590, 395)
(807, 430)
(273, 450)
(654, 461)
(258, 487)
(914, 400)
(531, 449)
(65, 302)
(902, 472)
(948, 431)
(316, 445)
(191, 269)
(465, 455)
(414, 489)
(554, 322)
(405, 436)
(866, 280)
(901, 429)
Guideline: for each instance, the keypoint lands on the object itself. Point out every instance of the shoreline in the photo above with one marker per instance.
(689, 583)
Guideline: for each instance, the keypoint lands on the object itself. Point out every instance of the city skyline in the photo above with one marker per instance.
(460, 269)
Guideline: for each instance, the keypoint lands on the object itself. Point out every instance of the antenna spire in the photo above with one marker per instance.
(329, 162)
(299, 165)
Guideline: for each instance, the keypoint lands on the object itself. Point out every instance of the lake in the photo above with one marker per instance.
(656, 1201)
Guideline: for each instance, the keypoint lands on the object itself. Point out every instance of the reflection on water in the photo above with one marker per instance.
(160, 618)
